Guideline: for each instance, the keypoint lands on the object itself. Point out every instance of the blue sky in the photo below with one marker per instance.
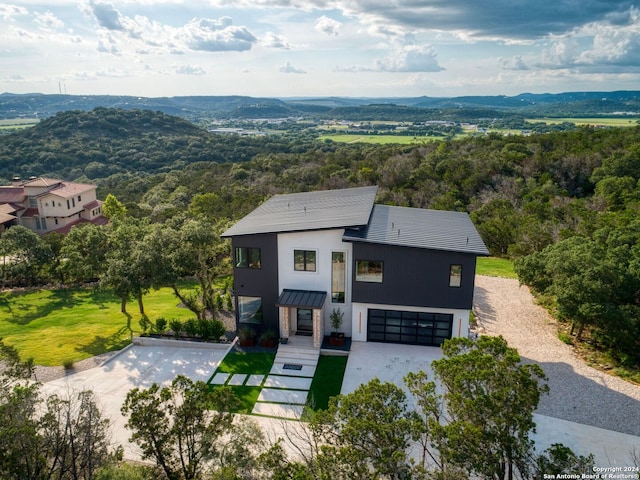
(284, 48)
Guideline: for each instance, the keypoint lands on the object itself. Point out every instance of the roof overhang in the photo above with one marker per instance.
(301, 299)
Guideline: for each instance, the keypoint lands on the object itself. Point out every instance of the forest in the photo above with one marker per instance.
(563, 205)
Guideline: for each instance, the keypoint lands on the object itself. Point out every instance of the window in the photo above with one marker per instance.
(79, 198)
(455, 275)
(338, 273)
(250, 310)
(33, 203)
(68, 206)
(369, 271)
(247, 257)
(304, 260)
(73, 202)
(38, 227)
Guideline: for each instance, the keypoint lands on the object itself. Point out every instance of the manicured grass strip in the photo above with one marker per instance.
(249, 363)
(247, 397)
(495, 267)
(327, 381)
(69, 325)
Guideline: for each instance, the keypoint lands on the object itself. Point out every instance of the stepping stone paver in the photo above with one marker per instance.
(297, 397)
(220, 378)
(254, 380)
(295, 383)
(237, 379)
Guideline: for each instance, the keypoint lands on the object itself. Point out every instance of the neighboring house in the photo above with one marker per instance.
(47, 205)
(401, 275)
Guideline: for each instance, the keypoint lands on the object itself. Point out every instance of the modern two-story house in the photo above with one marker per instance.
(402, 275)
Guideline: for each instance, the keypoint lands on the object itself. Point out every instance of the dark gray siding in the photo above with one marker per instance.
(414, 276)
(259, 282)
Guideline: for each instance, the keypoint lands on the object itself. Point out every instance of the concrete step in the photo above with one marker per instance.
(282, 360)
(292, 383)
(305, 371)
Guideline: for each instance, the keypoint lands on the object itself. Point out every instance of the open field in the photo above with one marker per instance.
(380, 139)
(71, 324)
(11, 123)
(604, 121)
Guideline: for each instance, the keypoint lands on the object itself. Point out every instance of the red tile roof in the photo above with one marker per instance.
(67, 228)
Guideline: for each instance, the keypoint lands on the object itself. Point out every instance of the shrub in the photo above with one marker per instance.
(246, 333)
(67, 364)
(161, 324)
(191, 327)
(176, 327)
(145, 324)
(218, 301)
(229, 302)
(211, 329)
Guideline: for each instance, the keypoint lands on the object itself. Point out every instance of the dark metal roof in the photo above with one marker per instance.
(420, 228)
(301, 298)
(294, 212)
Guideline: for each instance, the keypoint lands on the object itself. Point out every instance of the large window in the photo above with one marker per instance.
(369, 271)
(338, 275)
(247, 257)
(455, 275)
(250, 309)
(304, 260)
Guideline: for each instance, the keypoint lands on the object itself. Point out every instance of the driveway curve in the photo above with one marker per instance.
(578, 392)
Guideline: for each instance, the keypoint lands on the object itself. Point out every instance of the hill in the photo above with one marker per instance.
(204, 108)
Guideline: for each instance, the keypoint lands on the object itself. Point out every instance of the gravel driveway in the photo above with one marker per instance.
(578, 393)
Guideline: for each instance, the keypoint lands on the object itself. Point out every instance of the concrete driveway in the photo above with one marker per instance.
(390, 363)
(139, 366)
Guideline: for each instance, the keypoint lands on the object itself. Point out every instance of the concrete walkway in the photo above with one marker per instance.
(285, 390)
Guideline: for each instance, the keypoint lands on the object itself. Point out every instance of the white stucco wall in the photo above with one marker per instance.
(324, 242)
(359, 318)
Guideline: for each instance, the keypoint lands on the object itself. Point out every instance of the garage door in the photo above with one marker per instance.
(415, 328)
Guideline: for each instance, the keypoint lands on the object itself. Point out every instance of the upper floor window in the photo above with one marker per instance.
(247, 257)
(79, 198)
(33, 203)
(455, 275)
(338, 274)
(304, 260)
(369, 271)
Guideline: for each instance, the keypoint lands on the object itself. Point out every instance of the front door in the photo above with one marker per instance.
(305, 321)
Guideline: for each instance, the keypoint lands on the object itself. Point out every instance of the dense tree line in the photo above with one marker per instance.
(524, 193)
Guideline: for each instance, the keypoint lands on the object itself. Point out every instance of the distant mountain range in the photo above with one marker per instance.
(196, 108)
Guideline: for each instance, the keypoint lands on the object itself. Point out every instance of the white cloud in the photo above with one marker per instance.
(271, 40)
(412, 58)
(48, 21)
(328, 25)
(190, 70)
(8, 11)
(288, 68)
(217, 35)
(513, 63)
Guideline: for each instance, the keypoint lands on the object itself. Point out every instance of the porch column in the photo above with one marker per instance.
(317, 328)
(284, 322)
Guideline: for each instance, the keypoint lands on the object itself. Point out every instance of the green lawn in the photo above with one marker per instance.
(259, 363)
(495, 267)
(327, 381)
(604, 121)
(57, 326)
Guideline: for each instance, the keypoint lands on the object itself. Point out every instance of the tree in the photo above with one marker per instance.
(84, 250)
(182, 426)
(53, 438)
(369, 432)
(490, 399)
(112, 207)
(23, 256)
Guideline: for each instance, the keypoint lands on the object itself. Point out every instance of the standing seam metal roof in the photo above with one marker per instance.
(420, 228)
(301, 298)
(294, 212)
